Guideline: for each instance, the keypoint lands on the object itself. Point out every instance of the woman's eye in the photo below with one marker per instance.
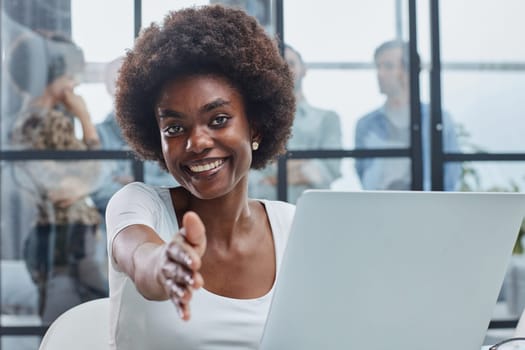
(174, 130)
(219, 120)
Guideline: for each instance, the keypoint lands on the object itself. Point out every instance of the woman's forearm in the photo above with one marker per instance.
(145, 261)
(138, 250)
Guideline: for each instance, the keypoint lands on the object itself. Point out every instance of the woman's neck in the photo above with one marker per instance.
(224, 217)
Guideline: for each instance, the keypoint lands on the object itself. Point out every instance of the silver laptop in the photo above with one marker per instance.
(392, 270)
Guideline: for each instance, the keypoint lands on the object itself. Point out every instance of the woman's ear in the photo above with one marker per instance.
(255, 139)
(255, 135)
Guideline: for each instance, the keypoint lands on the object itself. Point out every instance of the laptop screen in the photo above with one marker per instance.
(392, 270)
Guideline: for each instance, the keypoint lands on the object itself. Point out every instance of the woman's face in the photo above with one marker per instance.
(205, 135)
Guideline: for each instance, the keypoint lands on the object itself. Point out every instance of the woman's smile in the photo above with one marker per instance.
(206, 167)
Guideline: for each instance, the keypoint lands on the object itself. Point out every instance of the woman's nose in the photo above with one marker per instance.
(198, 140)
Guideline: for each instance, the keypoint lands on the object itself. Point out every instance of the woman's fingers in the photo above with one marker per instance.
(184, 311)
(178, 274)
(180, 297)
(183, 261)
(179, 292)
(181, 252)
(181, 275)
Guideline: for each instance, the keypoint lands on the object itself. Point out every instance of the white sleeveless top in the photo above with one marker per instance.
(217, 322)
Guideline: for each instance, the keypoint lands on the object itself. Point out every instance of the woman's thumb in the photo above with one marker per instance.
(195, 232)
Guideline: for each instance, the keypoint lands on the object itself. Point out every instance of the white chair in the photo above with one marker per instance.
(520, 328)
(515, 291)
(83, 327)
(19, 299)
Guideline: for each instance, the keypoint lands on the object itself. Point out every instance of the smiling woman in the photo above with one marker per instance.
(205, 135)
(207, 111)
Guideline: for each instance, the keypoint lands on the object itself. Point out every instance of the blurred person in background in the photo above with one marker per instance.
(59, 249)
(389, 127)
(110, 134)
(313, 129)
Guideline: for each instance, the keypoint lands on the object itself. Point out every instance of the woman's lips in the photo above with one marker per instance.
(203, 167)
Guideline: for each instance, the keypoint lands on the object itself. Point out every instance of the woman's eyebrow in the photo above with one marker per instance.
(214, 104)
(169, 113)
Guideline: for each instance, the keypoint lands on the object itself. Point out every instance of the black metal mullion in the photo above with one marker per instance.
(138, 170)
(1, 145)
(483, 157)
(357, 153)
(24, 155)
(23, 330)
(415, 103)
(137, 24)
(436, 120)
(279, 23)
(137, 165)
(282, 176)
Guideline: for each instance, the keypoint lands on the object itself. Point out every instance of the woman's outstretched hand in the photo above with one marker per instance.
(181, 261)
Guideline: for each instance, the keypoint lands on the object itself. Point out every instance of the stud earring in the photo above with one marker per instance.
(255, 145)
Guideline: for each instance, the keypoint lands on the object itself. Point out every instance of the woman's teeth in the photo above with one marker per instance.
(205, 167)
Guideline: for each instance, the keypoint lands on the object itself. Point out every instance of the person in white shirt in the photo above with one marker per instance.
(207, 95)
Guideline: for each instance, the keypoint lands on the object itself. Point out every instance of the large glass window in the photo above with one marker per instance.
(55, 93)
(362, 122)
(483, 74)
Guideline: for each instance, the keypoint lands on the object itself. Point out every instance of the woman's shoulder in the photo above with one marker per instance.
(139, 203)
(282, 211)
(144, 187)
(285, 206)
(137, 187)
(139, 191)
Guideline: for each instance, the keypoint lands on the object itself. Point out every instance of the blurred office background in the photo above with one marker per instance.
(469, 81)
